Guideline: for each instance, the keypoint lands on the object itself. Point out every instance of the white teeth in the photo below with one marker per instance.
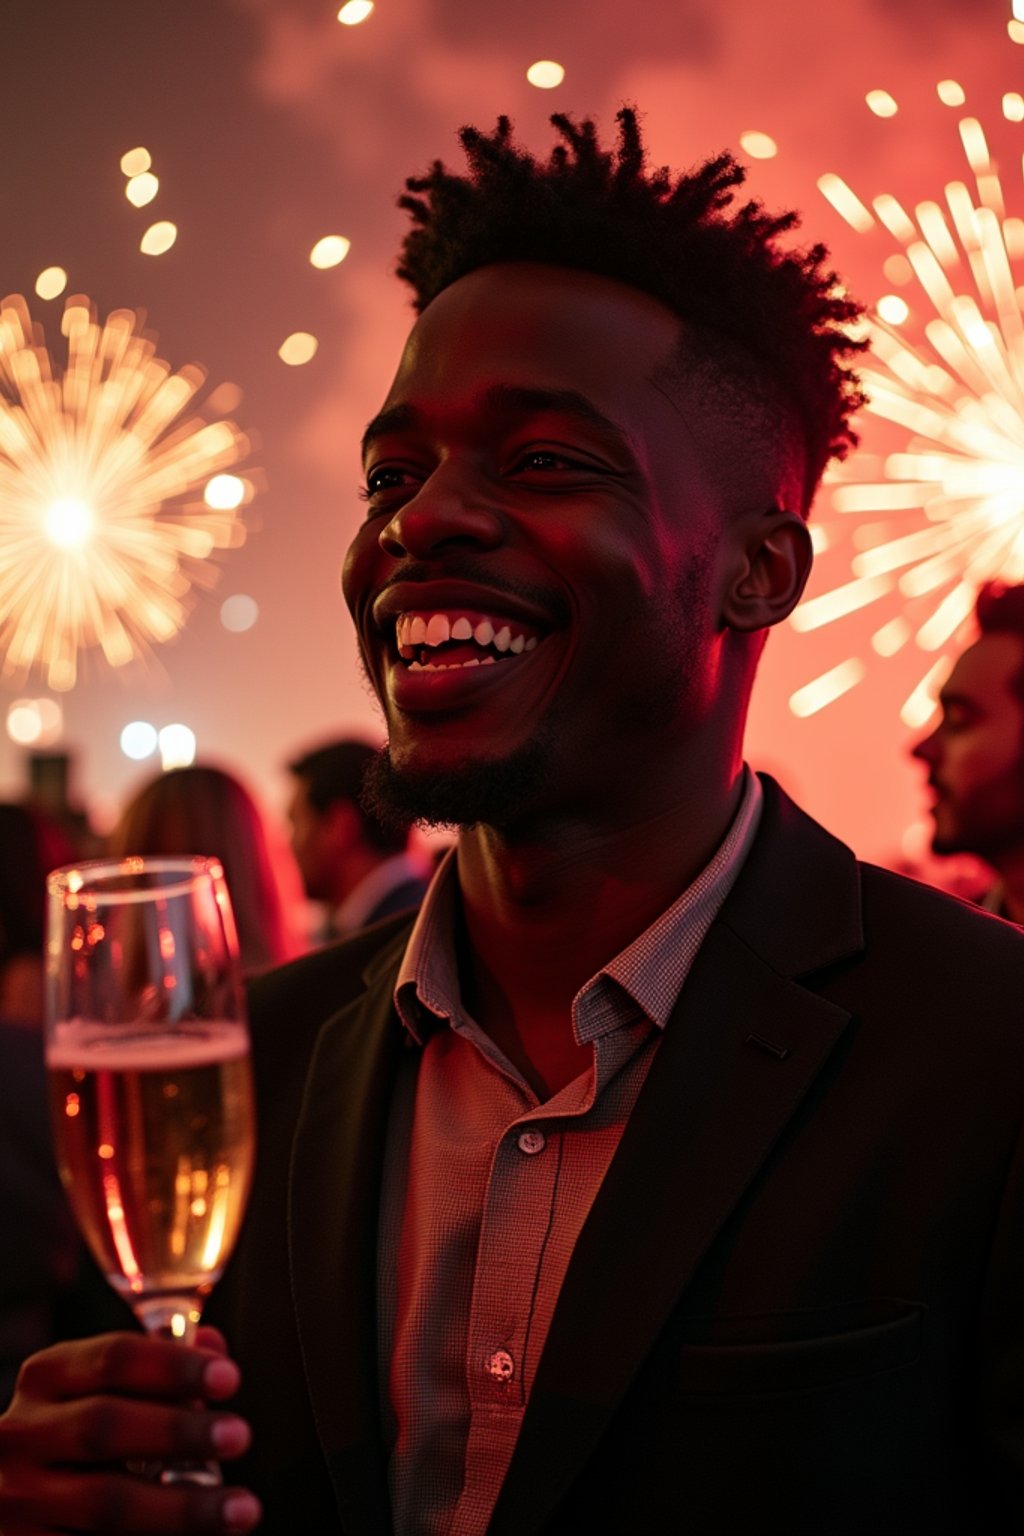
(415, 631)
(489, 661)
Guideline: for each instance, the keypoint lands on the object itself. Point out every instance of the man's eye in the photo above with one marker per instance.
(544, 458)
(385, 479)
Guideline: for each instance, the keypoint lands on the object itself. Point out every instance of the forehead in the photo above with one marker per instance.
(524, 324)
(987, 672)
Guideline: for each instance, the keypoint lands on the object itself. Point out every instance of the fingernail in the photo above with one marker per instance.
(240, 1512)
(230, 1436)
(221, 1377)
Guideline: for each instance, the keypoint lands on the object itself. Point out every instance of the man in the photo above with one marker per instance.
(975, 755)
(663, 1175)
(361, 868)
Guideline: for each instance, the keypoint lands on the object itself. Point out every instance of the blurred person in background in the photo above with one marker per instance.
(206, 810)
(360, 869)
(38, 1239)
(975, 754)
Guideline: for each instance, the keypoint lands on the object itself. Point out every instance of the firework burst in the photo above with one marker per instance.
(929, 522)
(104, 525)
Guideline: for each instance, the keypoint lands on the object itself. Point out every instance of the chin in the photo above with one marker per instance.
(492, 791)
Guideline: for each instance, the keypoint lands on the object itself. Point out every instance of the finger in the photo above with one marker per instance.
(101, 1429)
(115, 1502)
(130, 1364)
(211, 1338)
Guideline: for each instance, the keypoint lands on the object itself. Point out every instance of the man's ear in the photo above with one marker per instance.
(774, 558)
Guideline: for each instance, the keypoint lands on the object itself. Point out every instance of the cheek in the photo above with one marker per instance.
(360, 560)
(979, 760)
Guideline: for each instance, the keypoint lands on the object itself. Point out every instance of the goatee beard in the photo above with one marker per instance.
(494, 792)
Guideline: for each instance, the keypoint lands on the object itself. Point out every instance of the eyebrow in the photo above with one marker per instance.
(511, 399)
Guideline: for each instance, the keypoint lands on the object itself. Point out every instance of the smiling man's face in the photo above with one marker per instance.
(535, 585)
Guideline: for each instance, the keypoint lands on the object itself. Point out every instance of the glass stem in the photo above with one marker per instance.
(169, 1317)
(177, 1318)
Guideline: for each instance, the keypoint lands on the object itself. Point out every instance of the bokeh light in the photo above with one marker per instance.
(24, 725)
(545, 74)
(329, 251)
(845, 201)
(1013, 107)
(34, 722)
(892, 309)
(831, 685)
(1016, 30)
(135, 162)
(138, 740)
(142, 189)
(759, 146)
(51, 282)
(881, 103)
(898, 270)
(177, 746)
(101, 470)
(298, 348)
(951, 93)
(158, 238)
(355, 11)
(239, 613)
(225, 399)
(69, 522)
(225, 492)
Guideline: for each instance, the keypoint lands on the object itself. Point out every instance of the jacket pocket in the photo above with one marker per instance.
(799, 1351)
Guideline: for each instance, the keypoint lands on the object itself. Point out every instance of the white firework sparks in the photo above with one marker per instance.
(944, 513)
(104, 528)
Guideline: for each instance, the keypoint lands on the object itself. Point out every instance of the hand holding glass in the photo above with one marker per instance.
(150, 1082)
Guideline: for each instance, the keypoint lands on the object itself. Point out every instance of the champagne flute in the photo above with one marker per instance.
(151, 1099)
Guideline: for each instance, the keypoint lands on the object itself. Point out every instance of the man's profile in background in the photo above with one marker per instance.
(361, 869)
(975, 754)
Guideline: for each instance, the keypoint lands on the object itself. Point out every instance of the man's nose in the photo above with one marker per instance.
(447, 509)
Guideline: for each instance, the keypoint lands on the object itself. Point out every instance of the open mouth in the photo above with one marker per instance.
(454, 639)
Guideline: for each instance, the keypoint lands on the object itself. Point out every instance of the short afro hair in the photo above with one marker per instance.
(678, 238)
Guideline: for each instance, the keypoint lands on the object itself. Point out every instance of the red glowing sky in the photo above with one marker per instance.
(270, 125)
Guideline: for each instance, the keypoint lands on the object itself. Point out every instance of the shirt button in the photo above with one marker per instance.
(501, 1366)
(531, 1142)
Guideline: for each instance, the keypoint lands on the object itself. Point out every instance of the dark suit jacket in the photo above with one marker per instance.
(797, 1305)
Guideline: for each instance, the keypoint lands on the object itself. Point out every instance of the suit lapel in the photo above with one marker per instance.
(333, 1212)
(744, 1045)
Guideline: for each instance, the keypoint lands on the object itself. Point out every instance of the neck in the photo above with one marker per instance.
(543, 912)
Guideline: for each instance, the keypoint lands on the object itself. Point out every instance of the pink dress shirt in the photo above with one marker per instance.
(486, 1189)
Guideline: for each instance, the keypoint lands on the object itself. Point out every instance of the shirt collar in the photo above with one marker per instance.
(651, 969)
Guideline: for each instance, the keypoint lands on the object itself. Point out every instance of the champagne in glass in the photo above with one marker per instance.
(150, 1084)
